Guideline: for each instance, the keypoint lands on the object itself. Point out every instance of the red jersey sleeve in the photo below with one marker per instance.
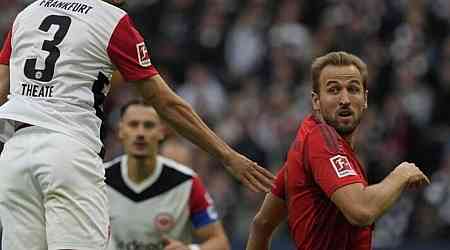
(198, 200)
(128, 52)
(331, 167)
(5, 53)
(201, 205)
(279, 187)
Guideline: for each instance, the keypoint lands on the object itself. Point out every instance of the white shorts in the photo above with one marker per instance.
(52, 193)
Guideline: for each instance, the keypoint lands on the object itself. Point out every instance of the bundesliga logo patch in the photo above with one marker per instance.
(144, 58)
(342, 166)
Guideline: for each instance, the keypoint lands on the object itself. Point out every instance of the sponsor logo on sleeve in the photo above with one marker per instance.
(144, 58)
(342, 166)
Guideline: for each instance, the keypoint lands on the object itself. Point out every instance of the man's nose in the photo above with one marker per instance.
(140, 130)
(344, 98)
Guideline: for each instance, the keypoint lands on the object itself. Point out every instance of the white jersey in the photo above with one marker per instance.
(61, 55)
(172, 201)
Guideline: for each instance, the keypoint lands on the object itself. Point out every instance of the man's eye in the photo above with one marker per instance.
(132, 124)
(149, 125)
(354, 89)
(333, 90)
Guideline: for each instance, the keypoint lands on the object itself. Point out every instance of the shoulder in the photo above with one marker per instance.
(176, 166)
(325, 136)
(113, 170)
(111, 9)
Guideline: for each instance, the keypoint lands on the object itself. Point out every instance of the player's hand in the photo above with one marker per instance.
(249, 173)
(171, 244)
(412, 174)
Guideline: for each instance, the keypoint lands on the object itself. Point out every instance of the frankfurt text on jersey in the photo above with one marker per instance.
(70, 6)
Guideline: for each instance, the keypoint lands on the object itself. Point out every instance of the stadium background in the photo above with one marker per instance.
(244, 66)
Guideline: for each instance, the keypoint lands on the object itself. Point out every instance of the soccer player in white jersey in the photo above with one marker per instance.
(155, 202)
(55, 67)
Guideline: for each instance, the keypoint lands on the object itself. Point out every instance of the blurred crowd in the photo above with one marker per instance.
(244, 67)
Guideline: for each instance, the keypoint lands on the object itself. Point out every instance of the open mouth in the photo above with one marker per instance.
(140, 144)
(345, 113)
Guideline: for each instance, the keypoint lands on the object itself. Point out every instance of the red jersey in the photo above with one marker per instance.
(319, 162)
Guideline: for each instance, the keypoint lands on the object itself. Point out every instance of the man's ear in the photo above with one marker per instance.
(163, 132)
(119, 131)
(315, 101)
(366, 95)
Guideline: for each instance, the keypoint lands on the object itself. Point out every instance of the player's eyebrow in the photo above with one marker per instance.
(355, 81)
(330, 82)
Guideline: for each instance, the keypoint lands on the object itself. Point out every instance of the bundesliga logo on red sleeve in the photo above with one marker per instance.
(342, 166)
(144, 58)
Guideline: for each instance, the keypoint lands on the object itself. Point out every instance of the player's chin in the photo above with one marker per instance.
(345, 129)
(139, 153)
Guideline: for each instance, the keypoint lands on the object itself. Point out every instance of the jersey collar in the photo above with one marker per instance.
(139, 187)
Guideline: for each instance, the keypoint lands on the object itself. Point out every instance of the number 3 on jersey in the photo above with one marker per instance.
(46, 74)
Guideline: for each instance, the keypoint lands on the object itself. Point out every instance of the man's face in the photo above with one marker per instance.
(342, 99)
(140, 130)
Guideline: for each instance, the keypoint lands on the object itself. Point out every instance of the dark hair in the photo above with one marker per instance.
(339, 58)
(133, 102)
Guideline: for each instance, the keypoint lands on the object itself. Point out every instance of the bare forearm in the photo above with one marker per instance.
(363, 205)
(259, 238)
(179, 114)
(215, 243)
(213, 237)
(270, 215)
(382, 196)
(185, 121)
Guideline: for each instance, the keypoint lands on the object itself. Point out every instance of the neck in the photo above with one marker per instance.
(349, 139)
(139, 169)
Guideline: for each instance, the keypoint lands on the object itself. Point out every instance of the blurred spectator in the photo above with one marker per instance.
(245, 48)
(204, 92)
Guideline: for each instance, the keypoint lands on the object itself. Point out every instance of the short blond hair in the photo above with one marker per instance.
(339, 58)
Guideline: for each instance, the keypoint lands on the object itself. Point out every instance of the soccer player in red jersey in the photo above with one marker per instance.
(322, 188)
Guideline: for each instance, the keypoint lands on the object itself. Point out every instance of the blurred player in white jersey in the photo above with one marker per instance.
(55, 67)
(155, 202)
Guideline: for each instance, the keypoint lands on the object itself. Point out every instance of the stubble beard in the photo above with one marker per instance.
(341, 129)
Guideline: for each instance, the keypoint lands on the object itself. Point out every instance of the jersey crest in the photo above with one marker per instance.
(164, 222)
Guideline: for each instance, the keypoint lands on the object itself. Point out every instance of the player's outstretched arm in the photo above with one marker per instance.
(363, 205)
(270, 215)
(180, 115)
(4, 83)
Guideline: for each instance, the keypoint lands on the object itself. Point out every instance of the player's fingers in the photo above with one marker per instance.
(173, 246)
(246, 181)
(261, 177)
(256, 183)
(265, 172)
(166, 240)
